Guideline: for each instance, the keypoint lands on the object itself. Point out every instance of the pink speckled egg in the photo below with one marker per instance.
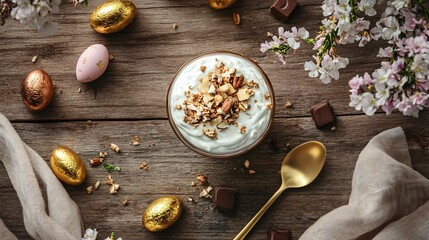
(92, 63)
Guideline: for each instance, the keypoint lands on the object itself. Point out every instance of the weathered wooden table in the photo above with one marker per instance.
(129, 100)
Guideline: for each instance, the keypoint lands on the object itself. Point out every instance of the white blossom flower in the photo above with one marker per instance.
(314, 70)
(90, 234)
(294, 38)
(367, 6)
(368, 102)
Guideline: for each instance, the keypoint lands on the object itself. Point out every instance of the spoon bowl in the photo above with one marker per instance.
(299, 168)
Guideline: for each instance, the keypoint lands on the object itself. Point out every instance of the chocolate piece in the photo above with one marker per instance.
(322, 114)
(278, 234)
(225, 198)
(282, 9)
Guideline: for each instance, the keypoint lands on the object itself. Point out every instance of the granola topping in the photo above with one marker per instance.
(218, 102)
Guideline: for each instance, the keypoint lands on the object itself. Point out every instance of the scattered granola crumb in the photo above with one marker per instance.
(79, 90)
(136, 141)
(174, 26)
(114, 189)
(236, 19)
(205, 193)
(251, 171)
(94, 162)
(34, 59)
(288, 104)
(269, 34)
(97, 185)
(211, 133)
(193, 184)
(125, 202)
(333, 129)
(178, 106)
(102, 154)
(110, 56)
(203, 68)
(144, 166)
(267, 96)
(243, 129)
(202, 179)
(269, 106)
(190, 199)
(247, 163)
(90, 189)
(109, 180)
(288, 145)
(115, 147)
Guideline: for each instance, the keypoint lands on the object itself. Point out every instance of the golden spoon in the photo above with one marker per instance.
(299, 168)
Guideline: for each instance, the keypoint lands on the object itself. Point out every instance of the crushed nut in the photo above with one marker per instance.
(174, 26)
(178, 106)
(269, 34)
(267, 96)
(125, 202)
(288, 145)
(252, 171)
(102, 154)
(203, 68)
(269, 106)
(114, 188)
(205, 193)
(288, 104)
(333, 129)
(90, 189)
(190, 199)
(193, 184)
(110, 56)
(247, 163)
(144, 166)
(211, 133)
(236, 19)
(34, 59)
(202, 179)
(95, 162)
(243, 129)
(97, 185)
(109, 180)
(136, 141)
(115, 147)
(79, 90)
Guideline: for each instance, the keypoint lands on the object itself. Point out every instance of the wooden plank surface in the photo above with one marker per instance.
(129, 100)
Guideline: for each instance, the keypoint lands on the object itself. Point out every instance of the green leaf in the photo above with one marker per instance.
(111, 168)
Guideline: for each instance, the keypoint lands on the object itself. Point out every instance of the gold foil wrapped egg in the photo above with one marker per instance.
(112, 16)
(162, 213)
(37, 90)
(67, 166)
(220, 4)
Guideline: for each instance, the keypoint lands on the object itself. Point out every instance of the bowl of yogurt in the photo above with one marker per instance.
(221, 104)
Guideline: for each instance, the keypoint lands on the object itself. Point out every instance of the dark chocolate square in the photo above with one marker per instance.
(225, 198)
(322, 114)
(279, 234)
(282, 9)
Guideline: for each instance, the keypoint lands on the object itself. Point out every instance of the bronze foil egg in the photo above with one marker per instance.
(37, 90)
(162, 213)
(67, 166)
(220, 4)
(112, 16)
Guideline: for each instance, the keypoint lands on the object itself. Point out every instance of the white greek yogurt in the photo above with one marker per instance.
(229, 141)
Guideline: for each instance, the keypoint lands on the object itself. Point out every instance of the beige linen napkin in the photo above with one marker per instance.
(49, 212)
(389, 200)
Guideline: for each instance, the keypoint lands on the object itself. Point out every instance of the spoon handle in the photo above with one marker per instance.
(258, 215)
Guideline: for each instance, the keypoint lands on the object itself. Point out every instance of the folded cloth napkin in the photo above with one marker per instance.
(49, 212)
(389, 200)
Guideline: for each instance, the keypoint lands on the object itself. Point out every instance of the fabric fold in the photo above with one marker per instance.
(388, 197)
(49, 212)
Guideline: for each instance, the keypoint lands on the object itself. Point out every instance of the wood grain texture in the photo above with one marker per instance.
(129, 100)
(172, 167)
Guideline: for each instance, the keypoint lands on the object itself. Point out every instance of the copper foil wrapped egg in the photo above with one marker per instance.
(37, 90)
(112, 16)
(162, 213)
(67, 166)
(220, 4)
